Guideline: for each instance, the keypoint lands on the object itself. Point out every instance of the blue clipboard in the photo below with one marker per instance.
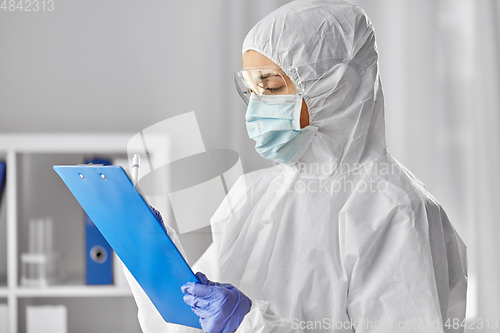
(121, 214)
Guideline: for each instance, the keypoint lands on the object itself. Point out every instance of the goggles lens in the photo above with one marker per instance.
(260, 81)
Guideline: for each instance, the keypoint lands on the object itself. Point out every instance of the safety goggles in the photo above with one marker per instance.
(264, 82)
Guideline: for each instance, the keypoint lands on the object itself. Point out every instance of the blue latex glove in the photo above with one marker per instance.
(157, 215)
(221, 307)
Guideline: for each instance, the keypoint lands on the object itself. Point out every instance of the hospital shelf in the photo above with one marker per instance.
(64, 143)
(4, 291)
(74, 291)
(24, 197)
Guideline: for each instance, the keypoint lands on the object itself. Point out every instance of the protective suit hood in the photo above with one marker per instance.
(335, 62)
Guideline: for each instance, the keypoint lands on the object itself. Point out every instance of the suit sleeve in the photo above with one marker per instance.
(399, 268)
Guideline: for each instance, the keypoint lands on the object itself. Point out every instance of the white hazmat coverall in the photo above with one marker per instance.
(346, 240)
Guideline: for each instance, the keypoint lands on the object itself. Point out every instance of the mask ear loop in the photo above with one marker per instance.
(296, 113)
(293, 74)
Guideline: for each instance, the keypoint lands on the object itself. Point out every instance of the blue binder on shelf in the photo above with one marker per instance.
(127, 222)
(3, 168)
(98, 256)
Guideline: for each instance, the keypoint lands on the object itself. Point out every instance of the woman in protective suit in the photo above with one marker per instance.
(338, 236)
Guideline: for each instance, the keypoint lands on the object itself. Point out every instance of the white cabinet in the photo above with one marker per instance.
(33, 190)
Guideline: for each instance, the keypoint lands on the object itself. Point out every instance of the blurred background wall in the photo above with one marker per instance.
(121, 66)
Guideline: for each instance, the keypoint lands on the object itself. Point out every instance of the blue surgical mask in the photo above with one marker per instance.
(274, 124)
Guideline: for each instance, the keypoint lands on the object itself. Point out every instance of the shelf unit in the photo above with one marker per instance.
(23, 153)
